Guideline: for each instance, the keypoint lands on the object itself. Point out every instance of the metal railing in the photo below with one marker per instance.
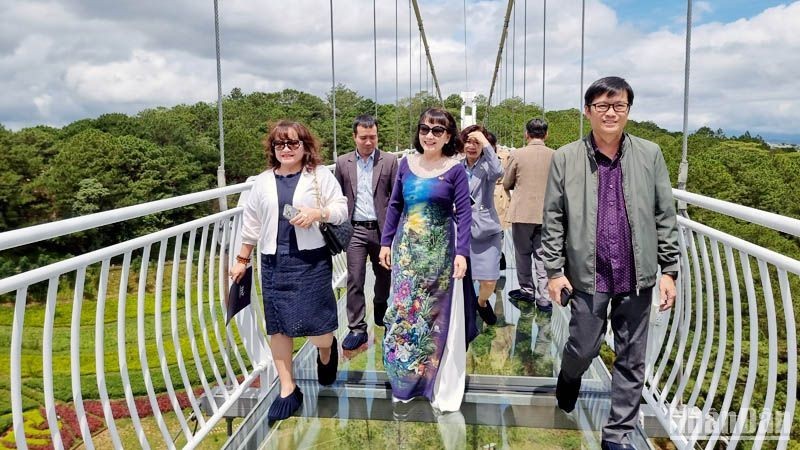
(695, 376)
(178, 327)
(727, 316)
(177, 353)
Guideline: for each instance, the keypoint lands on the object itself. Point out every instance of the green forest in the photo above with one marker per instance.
(118, 160)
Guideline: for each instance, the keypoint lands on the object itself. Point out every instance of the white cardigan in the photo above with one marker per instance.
(260, 217)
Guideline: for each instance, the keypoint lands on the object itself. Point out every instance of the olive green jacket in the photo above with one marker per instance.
(569, 228)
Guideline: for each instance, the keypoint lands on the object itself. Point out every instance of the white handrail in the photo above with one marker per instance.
(141, 340)
(702, 283)
(47, 361)
(36, 233)
(173, 315)
(99, 352)
(162, 256)
(709, 296)
(75, 358)
(764, 218)
(43, 273)
(122, 351)
(16, 369)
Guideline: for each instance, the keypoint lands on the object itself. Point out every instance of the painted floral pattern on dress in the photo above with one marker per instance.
(422, 271)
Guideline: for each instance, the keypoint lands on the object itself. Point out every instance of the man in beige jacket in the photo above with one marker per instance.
(501, 197)
(526, 175)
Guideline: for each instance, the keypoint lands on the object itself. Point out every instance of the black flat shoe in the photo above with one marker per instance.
(354, 340)
(522, 296)
(608, 445)
(326, 373)
(487, 314)
(567, 393)
(283, 407)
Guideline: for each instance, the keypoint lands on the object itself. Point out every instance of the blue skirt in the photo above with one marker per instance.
(297, 291)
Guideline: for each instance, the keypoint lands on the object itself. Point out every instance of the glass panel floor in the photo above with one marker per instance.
(509, 401)
(349, 416)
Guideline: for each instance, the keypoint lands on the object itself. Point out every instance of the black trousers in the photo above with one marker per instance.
(365, 244)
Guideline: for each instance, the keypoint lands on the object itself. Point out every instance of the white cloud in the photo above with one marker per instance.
(145, 77)
(61, 60)
(43, 103)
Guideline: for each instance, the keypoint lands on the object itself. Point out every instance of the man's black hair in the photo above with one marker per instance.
(536, 128)
(365, 121)
(608, 85)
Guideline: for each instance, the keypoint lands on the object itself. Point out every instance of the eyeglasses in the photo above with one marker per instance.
(292, 144)
(604, 107)
(437, 130)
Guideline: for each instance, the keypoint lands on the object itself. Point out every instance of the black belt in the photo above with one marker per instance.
(368, 224)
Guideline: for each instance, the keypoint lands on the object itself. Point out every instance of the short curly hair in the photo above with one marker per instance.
(280, 131)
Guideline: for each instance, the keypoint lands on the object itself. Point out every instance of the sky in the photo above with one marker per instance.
(64, 60)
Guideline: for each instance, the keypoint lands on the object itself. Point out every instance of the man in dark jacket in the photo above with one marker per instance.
(609, 230)
(366, 176)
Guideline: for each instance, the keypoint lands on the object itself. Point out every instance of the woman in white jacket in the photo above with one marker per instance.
(282, 215)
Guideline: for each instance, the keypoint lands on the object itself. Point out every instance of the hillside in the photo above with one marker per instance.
(118, 160)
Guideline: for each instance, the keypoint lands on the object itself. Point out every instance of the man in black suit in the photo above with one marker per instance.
(366, 176)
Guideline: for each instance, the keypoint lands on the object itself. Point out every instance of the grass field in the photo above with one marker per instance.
(139, 353)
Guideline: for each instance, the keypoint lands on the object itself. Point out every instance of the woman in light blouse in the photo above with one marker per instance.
(483, 170)
(281, 215)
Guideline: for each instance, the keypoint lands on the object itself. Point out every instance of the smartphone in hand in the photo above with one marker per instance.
(566, 296)
(289, 211)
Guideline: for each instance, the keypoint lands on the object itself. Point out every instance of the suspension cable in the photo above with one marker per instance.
(333, 85)
(410, 76)
(396, 83)
(500, 50)
(223, 201)
(466, 65)
(505, 72)
(427, 73)
(513, 52)
(375, 54)
(514, 111)
(580, 96)
(544, 51)
(505, 83)
(525, 54)
(683, 172)
(427, 50)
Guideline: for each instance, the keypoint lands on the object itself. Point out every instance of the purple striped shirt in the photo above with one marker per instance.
(614, 259)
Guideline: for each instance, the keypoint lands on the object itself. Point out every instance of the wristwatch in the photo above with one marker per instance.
(673, 275)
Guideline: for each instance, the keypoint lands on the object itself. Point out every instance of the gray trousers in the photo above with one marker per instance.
(365, 244)
(528, 246)
(630, 317)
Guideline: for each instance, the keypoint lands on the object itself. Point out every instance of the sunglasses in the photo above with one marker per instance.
(437, 130)
(292, 144)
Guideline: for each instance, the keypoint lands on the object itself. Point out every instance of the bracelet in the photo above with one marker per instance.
(324, 214)
(242, 259)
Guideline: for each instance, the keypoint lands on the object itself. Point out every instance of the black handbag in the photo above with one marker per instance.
(337, 237)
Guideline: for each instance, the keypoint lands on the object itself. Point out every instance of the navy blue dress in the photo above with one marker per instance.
(296, 284)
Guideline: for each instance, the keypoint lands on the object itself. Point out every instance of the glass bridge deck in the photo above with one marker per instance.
(509, 400)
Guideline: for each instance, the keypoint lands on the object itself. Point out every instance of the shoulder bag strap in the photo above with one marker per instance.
(316, 190)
